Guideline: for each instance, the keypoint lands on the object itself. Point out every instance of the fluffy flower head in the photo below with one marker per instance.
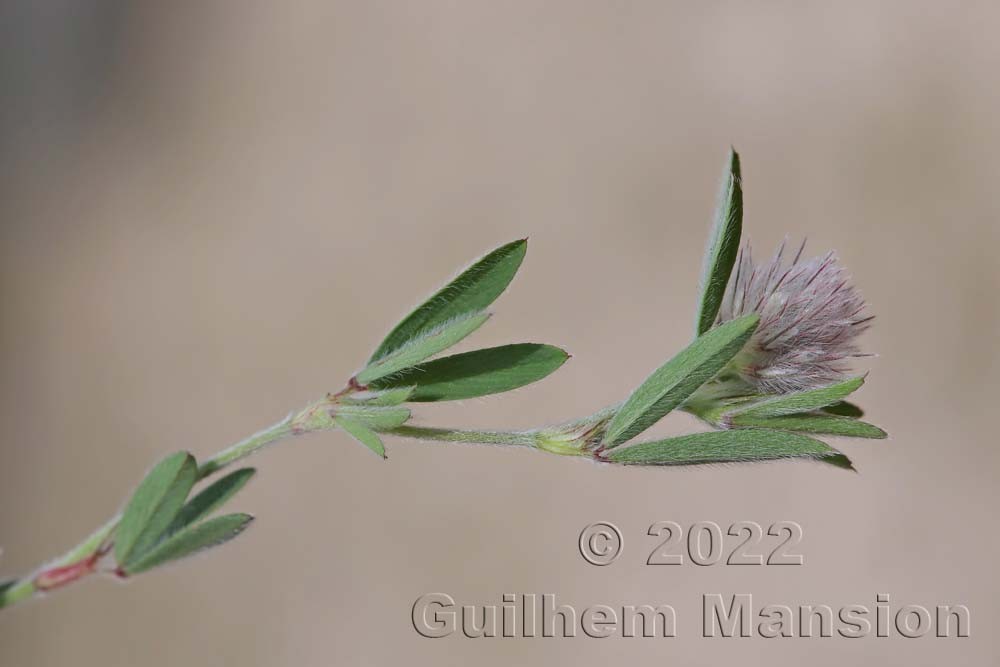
(810, 318)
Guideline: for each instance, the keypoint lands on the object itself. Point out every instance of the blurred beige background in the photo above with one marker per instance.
(212, 211)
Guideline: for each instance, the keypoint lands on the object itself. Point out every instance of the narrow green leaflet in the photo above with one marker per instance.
(813, 423)
(474, 290)
(844, 409)
(377, 418)
(723, 245)
(839, 461)
(388, 397)
(722, 447)
(190, 540)
(426, 344)
(211, 498)
(676, 380)
(803, 401)
(478, 373)
(154, 505)
(362, 434)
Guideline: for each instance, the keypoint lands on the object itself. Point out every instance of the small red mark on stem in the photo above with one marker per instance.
(55, 577)
(60, 576)
(352, 386)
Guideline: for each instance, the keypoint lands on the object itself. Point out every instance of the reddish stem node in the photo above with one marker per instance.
(57, 577)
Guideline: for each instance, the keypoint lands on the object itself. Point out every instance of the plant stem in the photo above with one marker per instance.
(82, 559)
(247, 446)
(514, 438)
(28, 586)
(86, 550)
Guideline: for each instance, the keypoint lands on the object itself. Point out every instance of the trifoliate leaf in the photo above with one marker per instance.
(676, 380)
(154, 505)
(722, 447)
(426, 344)
(211, 498)
(474, 290)
(813, 422)
(802, 401)
(378, 418)
(189, 540)
(723, 245)
(478, 373)
(362, 434)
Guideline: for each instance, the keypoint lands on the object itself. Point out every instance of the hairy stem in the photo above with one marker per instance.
(247, 446)
(81, 559)
(515, 438)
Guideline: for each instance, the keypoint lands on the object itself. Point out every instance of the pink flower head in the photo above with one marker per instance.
(810, 318)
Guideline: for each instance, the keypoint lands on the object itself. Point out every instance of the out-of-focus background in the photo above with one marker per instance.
(212, 211)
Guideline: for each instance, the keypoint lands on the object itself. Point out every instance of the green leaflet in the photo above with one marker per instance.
(377, 418)
(676, 380)
(803, 401)
(362, 434)
(189, 540)
(474, 290)
(478, 373)
(844, 409)
(812, 422)
(723, 245)
(839, 461)
(388, 397)
(211, 498)
(426, 344)
(723, 447)
(154, 505)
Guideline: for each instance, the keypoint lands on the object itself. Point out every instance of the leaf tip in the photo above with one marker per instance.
(519, 246)
(748, 323)
(840, 461)
(564, 353)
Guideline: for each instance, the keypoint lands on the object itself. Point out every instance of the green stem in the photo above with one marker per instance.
(517, 439)
(247, 446)
(27, 587)
(82, 559)
(85, 551)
